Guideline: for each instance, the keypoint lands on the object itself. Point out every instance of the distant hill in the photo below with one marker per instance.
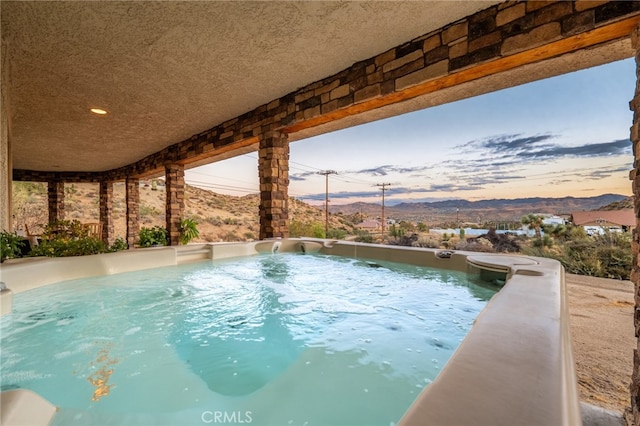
(450, 211)
(228, 218)
(220, 217)
(627, 203)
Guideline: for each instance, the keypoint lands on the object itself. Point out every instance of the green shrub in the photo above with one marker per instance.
(306, 229)
(151, 211)
(230, 236)
(156, 236)
(317, 231)
(188, 230)
(337, 234)
(63, 246)
(64, 230)
(422, 227)
(363, 237)
(64, 238)
(604, 256)
(118, 245)
(10, 245)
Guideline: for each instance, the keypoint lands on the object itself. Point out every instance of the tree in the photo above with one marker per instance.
(533, 221)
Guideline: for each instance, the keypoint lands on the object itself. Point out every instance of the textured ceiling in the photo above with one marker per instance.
(168, 70)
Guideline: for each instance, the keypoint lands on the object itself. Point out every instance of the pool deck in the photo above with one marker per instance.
(514, 367)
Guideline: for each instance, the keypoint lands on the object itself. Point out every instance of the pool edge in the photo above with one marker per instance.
(515, 365)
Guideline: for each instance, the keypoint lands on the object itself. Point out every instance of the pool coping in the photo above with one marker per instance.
(514, 366)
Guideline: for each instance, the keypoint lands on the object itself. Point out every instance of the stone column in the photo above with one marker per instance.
(273, 169)
(55, 193)
(133, 210)
(633, 416)
(174, 175)
(106, 212)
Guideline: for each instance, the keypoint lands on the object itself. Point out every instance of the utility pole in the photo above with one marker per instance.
(383, 186)
(326, 174)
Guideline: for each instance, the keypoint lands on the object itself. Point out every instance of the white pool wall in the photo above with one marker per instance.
(514, 367)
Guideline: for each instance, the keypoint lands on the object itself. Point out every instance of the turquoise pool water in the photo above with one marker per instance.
(266, 340)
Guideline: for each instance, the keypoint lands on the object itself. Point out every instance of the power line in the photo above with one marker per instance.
(220, 177)
(307, 168)
(326, 174)
(383, 186)
(208, 185)
(220, 186)
(302, 167)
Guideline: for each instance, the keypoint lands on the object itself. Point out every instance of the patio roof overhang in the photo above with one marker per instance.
(165, 71)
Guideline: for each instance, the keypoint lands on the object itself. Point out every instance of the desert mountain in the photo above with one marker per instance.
(230, 218)
(506, 210)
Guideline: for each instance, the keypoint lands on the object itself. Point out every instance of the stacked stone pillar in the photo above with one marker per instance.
(106, 212)
(174, 176)
(273, 165)
(55, 192)
(633, 416)
(133, 210)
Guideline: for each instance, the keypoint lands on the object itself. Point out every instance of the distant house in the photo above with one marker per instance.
(370, 225)
(597, 221)
(549, 219)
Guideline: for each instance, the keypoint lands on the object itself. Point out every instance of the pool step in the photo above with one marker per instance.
(24, 407)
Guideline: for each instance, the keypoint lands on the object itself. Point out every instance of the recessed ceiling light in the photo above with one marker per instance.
(98, 111)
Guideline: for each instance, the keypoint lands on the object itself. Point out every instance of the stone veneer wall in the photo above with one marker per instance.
(273, 169)
(174, 178)
(633, 417)
(132, 201)
(55, 194)
(106, 212)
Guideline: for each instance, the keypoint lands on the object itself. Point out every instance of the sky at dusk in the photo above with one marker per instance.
(563, 136)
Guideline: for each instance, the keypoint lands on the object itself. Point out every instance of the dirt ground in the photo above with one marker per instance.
(603, 339)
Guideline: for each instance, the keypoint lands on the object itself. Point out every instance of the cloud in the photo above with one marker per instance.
(452, 187)
(376, 171)
(518, 148)
(486, 164)
(602, 173)
(507, 143)
(388, 169)
(391, 193)
(301, 176)
(341, 195)
(604, 149)
(511, 143)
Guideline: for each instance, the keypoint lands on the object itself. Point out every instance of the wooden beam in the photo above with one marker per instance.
(604, 34)
(216, 152)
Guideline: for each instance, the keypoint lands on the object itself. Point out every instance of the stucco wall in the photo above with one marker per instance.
(5, 143)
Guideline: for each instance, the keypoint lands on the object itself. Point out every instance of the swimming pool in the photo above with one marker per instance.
(519, 344)
(271, 339)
